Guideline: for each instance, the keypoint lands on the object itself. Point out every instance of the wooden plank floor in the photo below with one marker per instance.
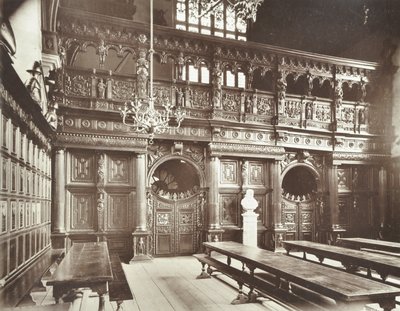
(164, 284)
(171, 284)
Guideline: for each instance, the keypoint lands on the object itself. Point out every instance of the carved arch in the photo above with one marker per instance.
(200, 172)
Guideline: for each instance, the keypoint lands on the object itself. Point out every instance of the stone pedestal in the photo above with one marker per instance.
(250, 228)
(249, 204)
(141, 246)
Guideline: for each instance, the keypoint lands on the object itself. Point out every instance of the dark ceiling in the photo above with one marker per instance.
(348, 28)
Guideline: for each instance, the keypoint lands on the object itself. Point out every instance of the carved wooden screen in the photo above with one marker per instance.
(177, 225)
(100, 197)
(298, 218)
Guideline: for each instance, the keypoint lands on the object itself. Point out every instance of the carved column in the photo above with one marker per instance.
(141, 235)
(58, 235)
(335, 230)
(278, 234)
(214, 221)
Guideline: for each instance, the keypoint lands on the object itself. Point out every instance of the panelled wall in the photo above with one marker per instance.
(358, 200)
(26, 178)
(236, 176)
(100, 197)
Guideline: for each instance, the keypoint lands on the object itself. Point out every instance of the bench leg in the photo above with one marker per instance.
(119, 305)
(252, 296)
(241, 298)
(203, 274)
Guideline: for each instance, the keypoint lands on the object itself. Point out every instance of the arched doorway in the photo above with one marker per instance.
(177, 202)
(299, 188)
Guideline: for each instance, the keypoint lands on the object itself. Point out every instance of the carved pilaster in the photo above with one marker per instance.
(213, 196)
(58, 235)
(100, 192)
(334, 230)
(277, 231)
(141, 235)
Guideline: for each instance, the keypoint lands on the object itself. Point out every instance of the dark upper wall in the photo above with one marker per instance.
(340, 27)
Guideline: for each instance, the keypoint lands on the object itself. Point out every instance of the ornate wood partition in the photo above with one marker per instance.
(178, 225)
(100, 197)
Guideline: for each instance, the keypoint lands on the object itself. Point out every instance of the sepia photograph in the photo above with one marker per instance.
(219, 155)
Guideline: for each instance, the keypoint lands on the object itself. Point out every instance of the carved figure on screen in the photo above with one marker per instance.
(180, 62)
(142, 74)
(33, 85)
(281, 86)
(102, 50)
(101, 89)
(338, 100)
(51, 115)
(309, 111)
(217, 85)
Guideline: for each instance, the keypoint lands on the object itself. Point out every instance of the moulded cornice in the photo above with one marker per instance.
(104, 142)
(247, 150)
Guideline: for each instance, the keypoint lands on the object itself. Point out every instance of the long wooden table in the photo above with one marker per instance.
(85, 265)
(347, 289)
(358, 243)
(351, 259)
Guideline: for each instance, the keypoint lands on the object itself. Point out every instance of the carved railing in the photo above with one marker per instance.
(339, 111)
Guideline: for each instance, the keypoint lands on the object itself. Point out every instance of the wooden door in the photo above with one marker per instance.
(298, 218)
(176, 225)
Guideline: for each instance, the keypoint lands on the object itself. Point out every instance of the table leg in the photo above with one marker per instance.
(102, 290)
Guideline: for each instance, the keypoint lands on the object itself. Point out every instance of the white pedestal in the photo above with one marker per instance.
(250, 228)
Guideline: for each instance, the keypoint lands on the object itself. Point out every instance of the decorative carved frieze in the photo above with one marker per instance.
(217, 149)
(101, 141)
(359, 157)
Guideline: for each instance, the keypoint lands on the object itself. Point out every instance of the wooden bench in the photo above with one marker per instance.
(118, 288)
(14, 292)
(86, 265)
(380, 252)
(351, 259)
(261, 282)
(358, 243)
(346, 289)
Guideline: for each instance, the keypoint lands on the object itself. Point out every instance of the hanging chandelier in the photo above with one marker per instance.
(140, 113)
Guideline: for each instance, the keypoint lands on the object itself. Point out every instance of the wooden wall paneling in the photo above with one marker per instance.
(345, 205)
(4, 216)
(3, 259)
(229, 172)
(229, 209)
(5, 173)
(13, 255)
(20, 249)
(118, 215)
(82, 170)
(119, 170)
(82, 210)
(256, 173)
